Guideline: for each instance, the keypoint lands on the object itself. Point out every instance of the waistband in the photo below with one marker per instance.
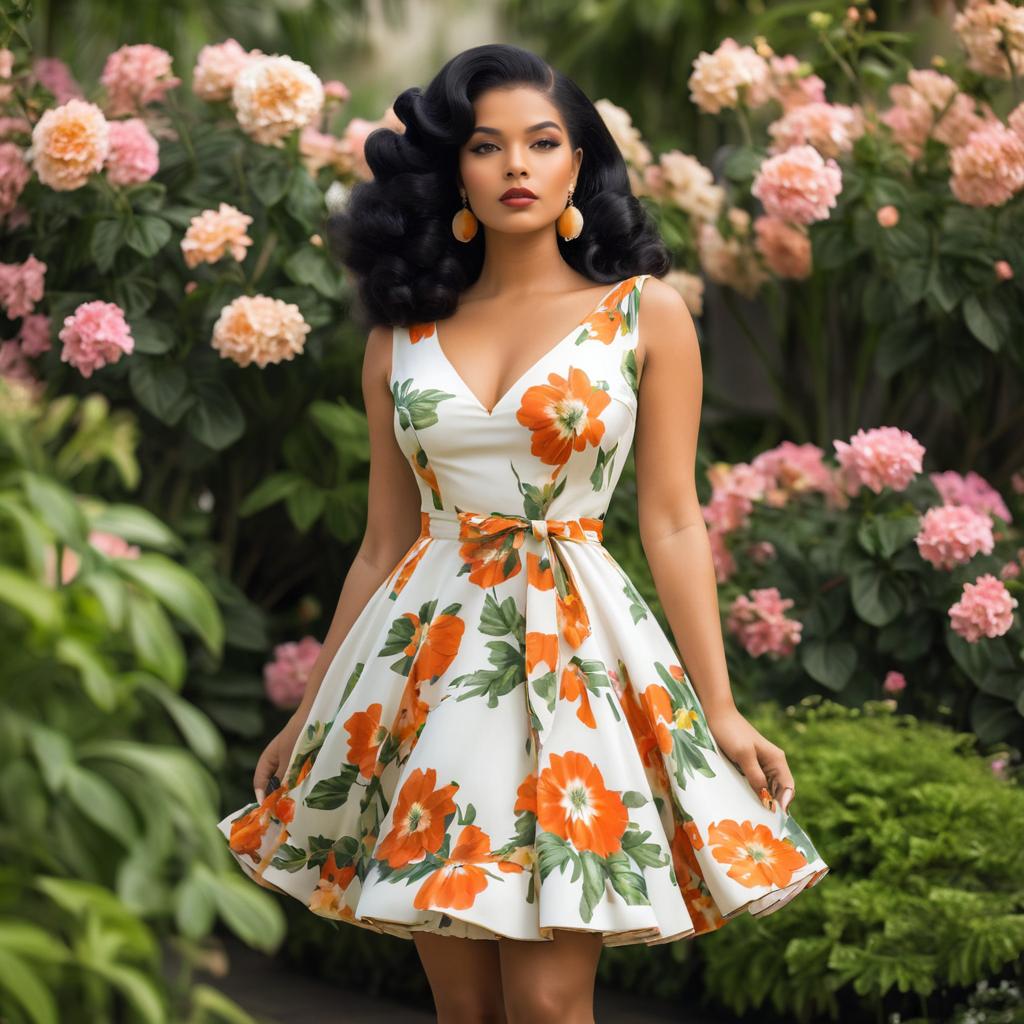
(469, 525)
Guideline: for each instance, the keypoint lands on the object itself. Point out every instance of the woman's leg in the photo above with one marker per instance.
(464, 976)
(550, 981)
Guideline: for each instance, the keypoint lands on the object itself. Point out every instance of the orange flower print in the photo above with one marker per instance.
(573, 803)
(492, 558)
(541, 647)
(418, 825)
(564, 415)
(703, 910)
(366, 736)
(646, 742)
(658, 705)
(327, 896)
(755, 857)
(572, 614)
(247, 832)
(574, 685)
(457, 883)
(606, 322)
(421, 467)
(417, 332)
(540, 577)
(436, 649)
(526, 795)
(405, 566)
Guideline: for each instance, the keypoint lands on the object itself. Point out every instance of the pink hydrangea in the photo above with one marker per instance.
(134, 154)
(798, 185)
(34, 336)
(971, 490)
(795, 468)
(721, 556)
(760, 623)
(53, 74)
(21, 286)
(96, 333)
(831, 128)
(952, 535)
(14, 175)
(984, 609)
(895, 682)
(13, 364)
(286, 676)
(136, 75)
(881, 457)
(761, 551)
(734, 489)
(988, 169)
(791, 86)
(786, 249)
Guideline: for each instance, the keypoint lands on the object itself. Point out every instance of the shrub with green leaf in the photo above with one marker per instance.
(107, 801)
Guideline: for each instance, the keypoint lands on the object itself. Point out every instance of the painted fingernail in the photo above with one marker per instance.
(259, 796)
(766, 799)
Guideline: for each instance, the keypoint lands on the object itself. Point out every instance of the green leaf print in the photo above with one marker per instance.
(687, 758)
(631, 798)
(544, 687)
(289, 858)
(629, 884)
(599, 478)
(594, 875)
(502, 619)
(552, 852)
(310, 741)
(508, 671)
(329, 794)
(537, 500)
(642, 853)
(628, 368)
(416, 408)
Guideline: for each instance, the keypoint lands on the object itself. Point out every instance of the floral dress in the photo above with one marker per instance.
(506, 742)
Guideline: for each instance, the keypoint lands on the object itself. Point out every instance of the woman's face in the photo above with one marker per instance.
(519, 141)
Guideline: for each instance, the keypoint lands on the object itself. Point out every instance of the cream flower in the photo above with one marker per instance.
(69, 143)
(275, 95)
(214, 233)
(261, 330)
(626, 135)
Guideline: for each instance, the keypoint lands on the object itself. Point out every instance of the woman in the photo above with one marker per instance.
(498, 741)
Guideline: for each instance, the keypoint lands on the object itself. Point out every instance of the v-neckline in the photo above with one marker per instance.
(537, 362)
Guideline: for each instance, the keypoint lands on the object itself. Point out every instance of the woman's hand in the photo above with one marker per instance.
(762, 762)
(274, 759)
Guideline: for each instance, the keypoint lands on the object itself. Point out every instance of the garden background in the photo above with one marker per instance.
(182, 492)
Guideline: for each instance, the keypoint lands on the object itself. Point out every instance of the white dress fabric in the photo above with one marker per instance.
(506, 742)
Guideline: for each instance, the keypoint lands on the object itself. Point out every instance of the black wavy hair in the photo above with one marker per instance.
(394, 234)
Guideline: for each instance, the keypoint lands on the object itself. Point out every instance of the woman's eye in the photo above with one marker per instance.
(551, 144)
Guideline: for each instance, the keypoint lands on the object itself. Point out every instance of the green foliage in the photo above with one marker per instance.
(924, 896)
(107, 802)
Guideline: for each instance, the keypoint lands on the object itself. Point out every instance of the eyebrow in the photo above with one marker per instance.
(533, 127)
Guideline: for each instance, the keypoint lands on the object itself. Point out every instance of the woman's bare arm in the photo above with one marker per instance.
(674, 534)
(392, 514)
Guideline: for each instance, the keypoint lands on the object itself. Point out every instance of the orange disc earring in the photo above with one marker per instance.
(570, 220)
(464, 223)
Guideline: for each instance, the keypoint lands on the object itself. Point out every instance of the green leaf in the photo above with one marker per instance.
(273, 489)
(250, 914)
(180, 591)
(136, 525)
(102, 804)
(138, 988)
(981, 323)
(304, 504)
(153, 337)
(829, 662)
(147, 234)
(27, 988)
(38, 603)
(309, 265)
(107, 239)
(158, 647)
(56, 506)
(216, 418)
(197, 729)
(269, 178)
(161, 388)
(97, 680)
(875, 595)
(305, 201)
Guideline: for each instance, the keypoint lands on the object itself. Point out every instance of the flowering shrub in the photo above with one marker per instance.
(889, 217)
(869, 579)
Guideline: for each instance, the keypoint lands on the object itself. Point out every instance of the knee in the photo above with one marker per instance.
(540, 1003)
(469, 1005)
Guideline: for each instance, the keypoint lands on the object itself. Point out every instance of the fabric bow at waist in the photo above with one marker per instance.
(491, 547)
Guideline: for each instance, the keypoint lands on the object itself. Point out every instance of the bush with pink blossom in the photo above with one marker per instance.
(868, 577)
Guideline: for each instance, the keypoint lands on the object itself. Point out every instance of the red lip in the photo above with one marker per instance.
(515, 193)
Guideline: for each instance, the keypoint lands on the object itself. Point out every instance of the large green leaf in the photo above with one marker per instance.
(199, 732)
(829, 662)
(28, 988)
(158, 646)
(38, 603)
